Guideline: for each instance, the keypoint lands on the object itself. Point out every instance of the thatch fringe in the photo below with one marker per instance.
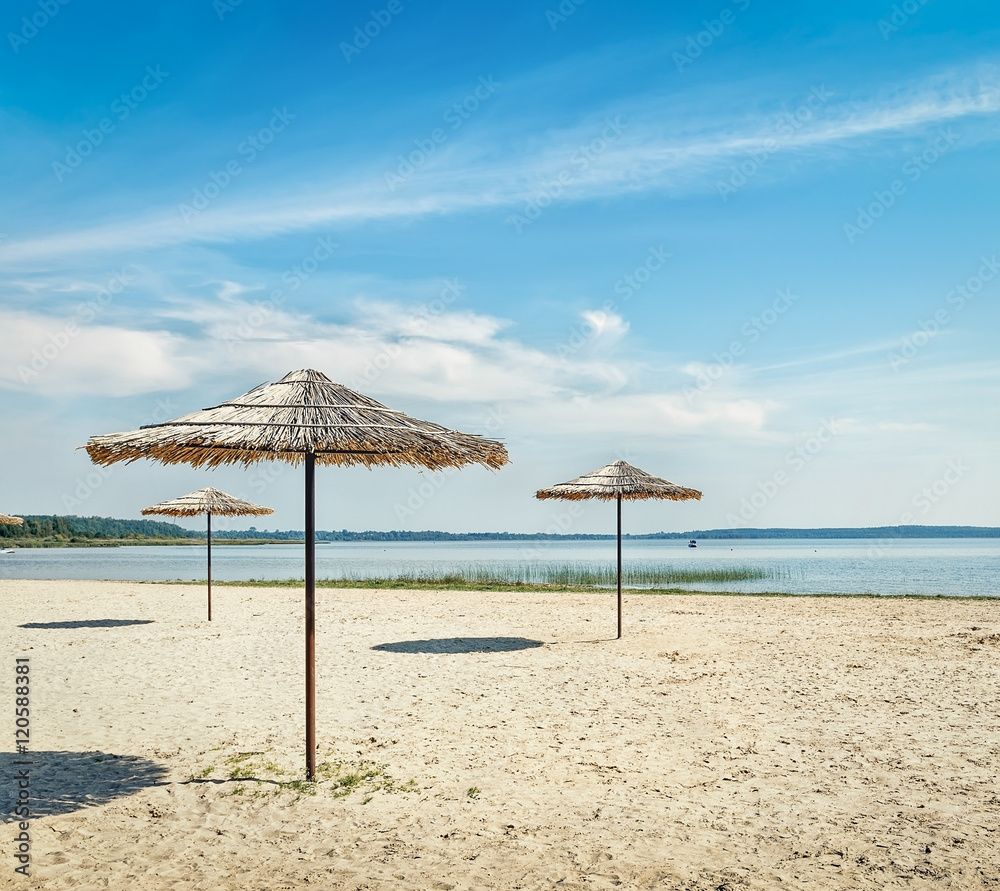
(615, 480)
(11, 521)
(205, 501)
(303, 412)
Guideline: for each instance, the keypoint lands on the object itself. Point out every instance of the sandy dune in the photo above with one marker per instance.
(726, 742)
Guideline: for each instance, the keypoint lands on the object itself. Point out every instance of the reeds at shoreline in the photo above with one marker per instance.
(588, 575)
(550, 575)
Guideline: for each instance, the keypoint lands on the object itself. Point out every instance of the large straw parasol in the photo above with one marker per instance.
(613, 483)
(10, 521)
(303, 418)
(208, 501)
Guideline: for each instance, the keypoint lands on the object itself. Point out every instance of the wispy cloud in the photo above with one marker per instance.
(479, 174)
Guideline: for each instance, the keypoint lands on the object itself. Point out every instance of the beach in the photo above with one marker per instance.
(506, 740)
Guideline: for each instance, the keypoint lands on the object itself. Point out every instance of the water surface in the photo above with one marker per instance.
(966, 567)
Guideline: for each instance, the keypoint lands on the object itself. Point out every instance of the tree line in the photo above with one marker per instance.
(85, 529)
(54, 528)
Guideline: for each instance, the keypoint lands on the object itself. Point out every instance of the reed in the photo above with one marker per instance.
(577, 575)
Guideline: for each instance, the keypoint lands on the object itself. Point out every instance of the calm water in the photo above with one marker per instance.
(969, 567)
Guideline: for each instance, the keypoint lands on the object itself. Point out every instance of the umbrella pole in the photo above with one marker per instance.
(310, 615)
(209, 539)
(619, 567)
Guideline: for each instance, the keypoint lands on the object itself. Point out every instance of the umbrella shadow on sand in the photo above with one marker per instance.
(88, 623)
(460, 645)
(63, 782)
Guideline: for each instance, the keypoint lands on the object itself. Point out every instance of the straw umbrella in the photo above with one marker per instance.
(305, 418)
(613, 483)
(208, 501)
(10, 521)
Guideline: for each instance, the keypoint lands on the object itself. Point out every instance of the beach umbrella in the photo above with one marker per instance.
(208, 501)
(615, 482)
(305, 418)
(10, 521)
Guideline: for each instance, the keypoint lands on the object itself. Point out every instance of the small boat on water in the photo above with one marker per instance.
(8, 551)
(692, 543)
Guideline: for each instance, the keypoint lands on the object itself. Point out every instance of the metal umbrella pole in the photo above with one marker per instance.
(209, 540)
(619, 567)
(310, 615)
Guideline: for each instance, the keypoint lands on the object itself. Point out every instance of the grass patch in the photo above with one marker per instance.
(240, 766)
(346, 777)
(337, 778)
(474, 792)
(447, 584)
(539, 575)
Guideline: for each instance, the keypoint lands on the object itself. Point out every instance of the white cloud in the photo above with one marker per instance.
(56, 357)
(462, 358)
(607, 327)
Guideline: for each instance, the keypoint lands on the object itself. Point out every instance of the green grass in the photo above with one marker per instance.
(589, 576)
(263, 776)
(451, 583)
(544, 575)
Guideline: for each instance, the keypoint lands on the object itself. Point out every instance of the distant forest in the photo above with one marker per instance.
(82, 530)
(706, 534)
(92, 530)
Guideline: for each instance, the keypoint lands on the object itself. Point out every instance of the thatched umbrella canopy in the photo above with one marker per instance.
(208, 501)
(615, 482)
(10, 521)
(303, 418)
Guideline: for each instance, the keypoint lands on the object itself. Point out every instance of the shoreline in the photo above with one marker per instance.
(518, 587)
(425, 584)
(450, 584)
(430, 585)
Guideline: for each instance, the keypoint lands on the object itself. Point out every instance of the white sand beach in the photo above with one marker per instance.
(511, 742)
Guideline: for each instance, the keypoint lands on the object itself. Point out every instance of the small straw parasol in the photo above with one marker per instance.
(10, 521)
(613, 483)
(208, 501)
(305, 418)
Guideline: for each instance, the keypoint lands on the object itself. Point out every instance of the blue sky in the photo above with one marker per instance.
(749, 247)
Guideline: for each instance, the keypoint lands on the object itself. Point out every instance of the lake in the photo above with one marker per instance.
(967, 567)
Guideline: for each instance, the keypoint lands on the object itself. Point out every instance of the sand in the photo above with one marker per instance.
(726, 742)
